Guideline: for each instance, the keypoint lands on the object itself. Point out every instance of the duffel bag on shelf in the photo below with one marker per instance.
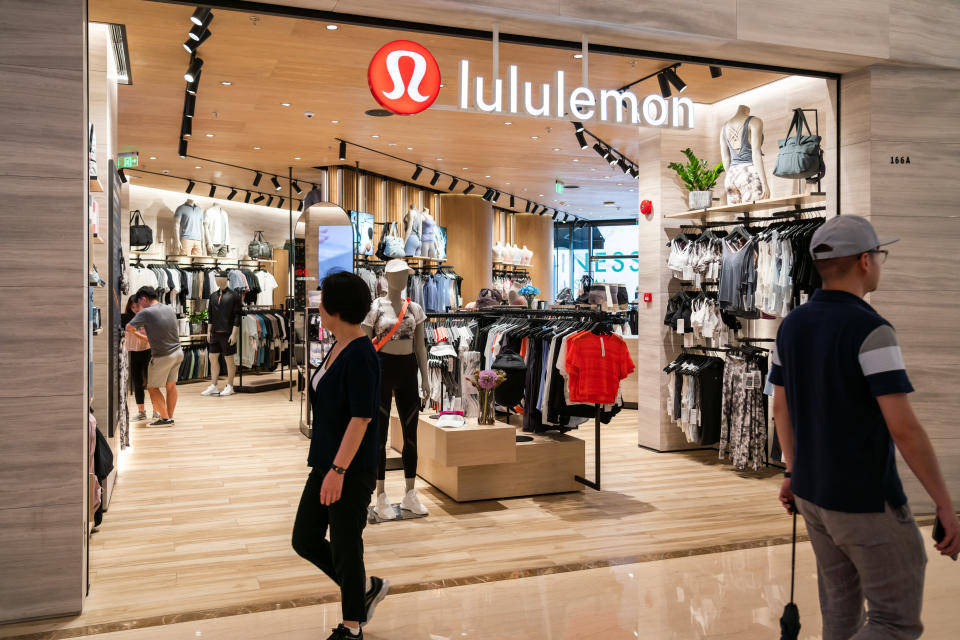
(799, 156)
(259, 249)
(141, 235)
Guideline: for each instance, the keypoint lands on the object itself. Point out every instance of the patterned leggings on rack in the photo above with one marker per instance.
(743, 429)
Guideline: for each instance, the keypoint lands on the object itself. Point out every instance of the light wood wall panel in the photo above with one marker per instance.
(469, 222)
(43, 344)
(536, 233)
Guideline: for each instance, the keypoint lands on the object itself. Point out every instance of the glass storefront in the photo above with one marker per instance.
(604, 251)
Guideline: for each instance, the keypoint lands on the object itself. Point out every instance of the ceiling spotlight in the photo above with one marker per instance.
(196, 32)
(343, 150)
(193, 86)
(715, 72)
(269, 202)
(200, 15)
(555, 214)
(213, 190)
(280, 204)
(612, 159)
(190, 103)
(226, 83)
(435, 178)
(300, 206)
(417, 172)
(496, 196)
(453, 184)
(246, 199)
(193, 69)
(191, 44)
(623, 165)
(527, 208)
(233, 192)
(578, 127)
(296, 187)
(470, 187)
(488, 194)
(634, 171)
(664, 86)
(190, 185)
(598, 149)
(257, 179)
(276, 183)
(332, 27)
(675, 80)
(511, 202)
(186, 127)
(581, 140)
(123, 176)
(258, 199)
(182, 149)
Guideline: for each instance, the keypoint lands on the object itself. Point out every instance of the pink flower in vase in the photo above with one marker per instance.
(487, 380)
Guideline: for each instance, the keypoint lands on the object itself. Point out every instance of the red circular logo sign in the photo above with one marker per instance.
(404, 77)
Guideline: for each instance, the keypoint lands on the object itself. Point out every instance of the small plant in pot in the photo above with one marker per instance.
(198, 322)
(699, 178)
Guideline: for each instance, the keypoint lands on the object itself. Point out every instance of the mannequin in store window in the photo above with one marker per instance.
(223, 315)
(402, 356)
(428, 231)
(411, 232)
(191, 234)
(741, 138)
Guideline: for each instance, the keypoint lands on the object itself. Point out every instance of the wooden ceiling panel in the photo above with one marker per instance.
(271, 60)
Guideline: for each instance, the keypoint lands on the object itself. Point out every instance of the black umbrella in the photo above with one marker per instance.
(790, 620)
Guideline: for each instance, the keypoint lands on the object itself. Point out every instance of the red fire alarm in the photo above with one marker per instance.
(648, 297)
(646, 207)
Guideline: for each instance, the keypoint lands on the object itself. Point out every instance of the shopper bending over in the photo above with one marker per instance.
(840, 403)
(160, 323)
(138, 359)
(345, 396)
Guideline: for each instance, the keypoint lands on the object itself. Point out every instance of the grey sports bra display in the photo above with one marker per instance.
(743, 155)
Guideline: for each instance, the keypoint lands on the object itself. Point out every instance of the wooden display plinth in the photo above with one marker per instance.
(480, 462)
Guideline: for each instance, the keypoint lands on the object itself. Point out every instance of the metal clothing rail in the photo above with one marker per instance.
(267, 387)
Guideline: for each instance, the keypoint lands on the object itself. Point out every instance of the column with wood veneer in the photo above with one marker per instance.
(536, 233)
(469, 223)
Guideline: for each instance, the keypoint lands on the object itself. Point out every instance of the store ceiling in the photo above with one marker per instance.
(272, 60)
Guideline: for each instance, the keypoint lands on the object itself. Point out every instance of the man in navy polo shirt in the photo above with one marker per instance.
(840, 404)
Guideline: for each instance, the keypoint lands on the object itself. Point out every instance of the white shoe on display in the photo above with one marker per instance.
(411, 502)
(227, 391)
(384, 509)
(211, 391)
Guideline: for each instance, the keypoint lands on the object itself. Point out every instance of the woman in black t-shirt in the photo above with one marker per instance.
(345, 395)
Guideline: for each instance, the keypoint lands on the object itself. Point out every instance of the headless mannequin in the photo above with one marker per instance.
(735, 133)
(187, 246)
(215, 357)
(411, 231)
(396, 283)
(427, 248)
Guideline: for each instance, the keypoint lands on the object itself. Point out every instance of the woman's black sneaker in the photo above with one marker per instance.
(379, 589)
(342, 633)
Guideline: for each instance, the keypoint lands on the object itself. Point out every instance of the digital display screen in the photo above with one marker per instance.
(363, 232)
(334, 250)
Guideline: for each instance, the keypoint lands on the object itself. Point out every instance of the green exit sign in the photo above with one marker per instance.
(128, 160)
(559, 186)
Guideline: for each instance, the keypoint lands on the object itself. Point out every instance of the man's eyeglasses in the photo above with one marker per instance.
(881, 253)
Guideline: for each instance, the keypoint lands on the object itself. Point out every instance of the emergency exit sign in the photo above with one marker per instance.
(558, 185)
(128, 160)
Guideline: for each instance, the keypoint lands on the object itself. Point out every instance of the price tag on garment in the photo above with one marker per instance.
(687, 272)
(685, 414)
(803, 298)
(757, 380)
(749, 382)
(680, 326)
(688, 340)
(697, 281)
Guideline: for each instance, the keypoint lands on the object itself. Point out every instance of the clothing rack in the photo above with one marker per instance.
(747, 218)
(269, 386)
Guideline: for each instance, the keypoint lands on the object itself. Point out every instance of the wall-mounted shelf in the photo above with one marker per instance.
(95, 185)
(97, 240)
(802, 200)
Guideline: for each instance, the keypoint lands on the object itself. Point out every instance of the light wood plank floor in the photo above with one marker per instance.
(202, 513)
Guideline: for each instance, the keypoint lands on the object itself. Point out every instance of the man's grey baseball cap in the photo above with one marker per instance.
(842, 236)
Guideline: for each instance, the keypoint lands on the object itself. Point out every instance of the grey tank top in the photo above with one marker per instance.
(743, 155)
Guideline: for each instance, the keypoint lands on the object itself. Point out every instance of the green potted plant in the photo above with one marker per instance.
(198, 322)
(699, 179)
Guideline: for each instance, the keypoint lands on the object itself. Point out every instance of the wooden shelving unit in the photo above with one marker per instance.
(802, 200)
(95, 185)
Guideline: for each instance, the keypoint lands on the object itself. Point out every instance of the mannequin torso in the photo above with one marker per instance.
(741, 138)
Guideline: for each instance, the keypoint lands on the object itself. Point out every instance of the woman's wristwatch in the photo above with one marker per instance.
(787, 474)
(339, 470)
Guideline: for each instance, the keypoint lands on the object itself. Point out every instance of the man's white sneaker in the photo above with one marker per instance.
(411, 502)
(384, 509)
(140, 417)
(211, 391)
(227, 391)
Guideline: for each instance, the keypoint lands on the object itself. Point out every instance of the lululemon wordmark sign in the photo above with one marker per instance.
(405, 78)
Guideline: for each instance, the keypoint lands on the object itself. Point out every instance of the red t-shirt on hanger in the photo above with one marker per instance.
(596, 365)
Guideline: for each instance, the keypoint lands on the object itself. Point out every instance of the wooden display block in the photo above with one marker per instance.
(479, 462)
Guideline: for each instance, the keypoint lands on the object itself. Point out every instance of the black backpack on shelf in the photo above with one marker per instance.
(141, 235)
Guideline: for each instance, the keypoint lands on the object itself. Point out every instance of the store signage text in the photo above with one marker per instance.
(404, 77)
(581, 103)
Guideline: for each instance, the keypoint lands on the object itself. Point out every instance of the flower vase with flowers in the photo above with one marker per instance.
(486, 382)
(529, 292)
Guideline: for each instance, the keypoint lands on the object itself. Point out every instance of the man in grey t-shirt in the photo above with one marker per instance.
(160, 323)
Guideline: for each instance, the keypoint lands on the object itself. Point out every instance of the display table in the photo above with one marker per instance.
(485, 462)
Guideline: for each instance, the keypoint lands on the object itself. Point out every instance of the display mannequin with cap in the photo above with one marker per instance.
(740, 141)
(395, 324)
(224, 309)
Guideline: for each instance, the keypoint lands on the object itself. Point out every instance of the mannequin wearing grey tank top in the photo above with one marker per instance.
(740, 141)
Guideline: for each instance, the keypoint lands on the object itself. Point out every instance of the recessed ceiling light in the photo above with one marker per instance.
(284, 104)
(297, 158)
(209, 135)
(508, 123)
(442, 86)
(486, 176)
(576, 159)
(198, 167)
(508, 183)
(257, 148)
(578, 56)
(439, 159)
(374, 136)
(226, 84)
(619, 184)
(334, 122)
(166, 171)
(464, 168)
(534, 137)
(593, 168)
(540, 196)
(332, 27)
(409, 148)
(556, 149)
(153, 157)
(391, 144)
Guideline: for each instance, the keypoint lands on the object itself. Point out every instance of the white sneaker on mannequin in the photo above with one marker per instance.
(384, 509)
(227, 391)
(211, 391)
(411, 502)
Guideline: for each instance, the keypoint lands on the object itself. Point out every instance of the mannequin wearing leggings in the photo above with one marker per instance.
(401, 357)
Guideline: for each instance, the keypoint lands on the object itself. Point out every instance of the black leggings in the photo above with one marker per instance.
(341, 557)
(139, 361)
(399, 377)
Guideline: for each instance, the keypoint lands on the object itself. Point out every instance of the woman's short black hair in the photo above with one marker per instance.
(346, 295)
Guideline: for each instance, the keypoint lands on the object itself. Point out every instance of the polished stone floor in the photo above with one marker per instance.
(736, 595)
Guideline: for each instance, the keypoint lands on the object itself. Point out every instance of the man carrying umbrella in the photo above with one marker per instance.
(840, 404)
